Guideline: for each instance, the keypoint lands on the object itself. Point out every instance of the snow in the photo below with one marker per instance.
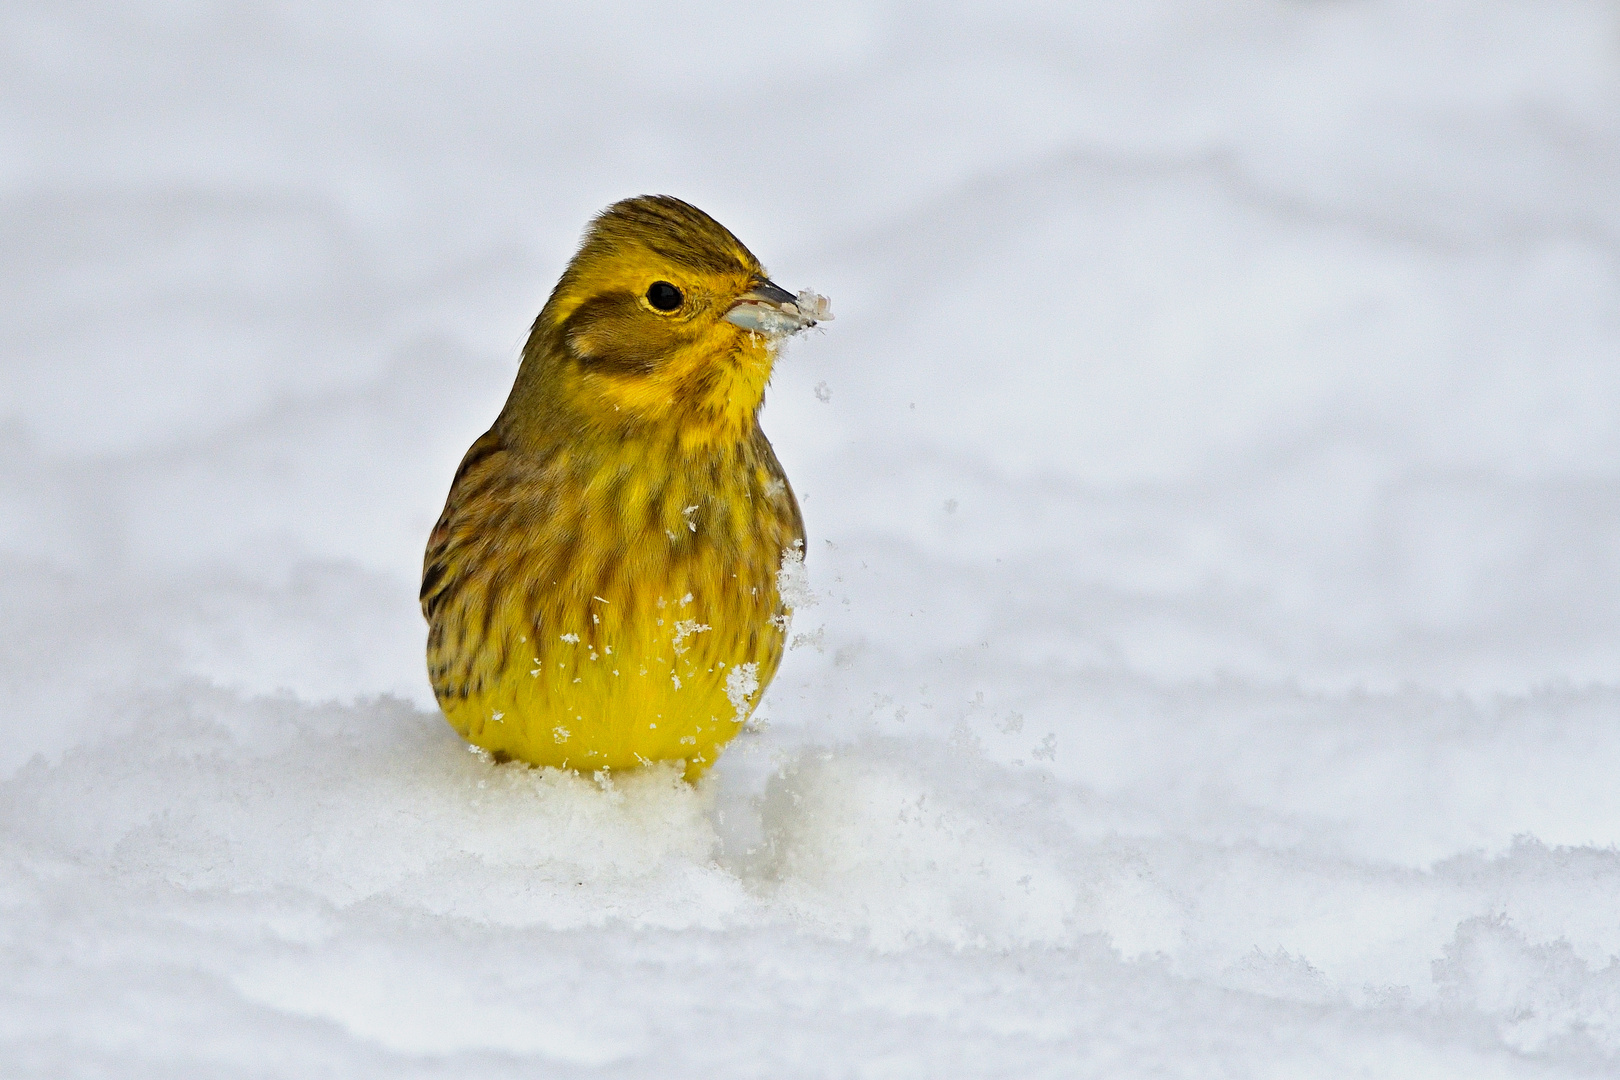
(814, 306)
(793, 580)
(742, 683)
(1213, 494)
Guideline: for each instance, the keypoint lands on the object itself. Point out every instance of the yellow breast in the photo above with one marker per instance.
(605, 611)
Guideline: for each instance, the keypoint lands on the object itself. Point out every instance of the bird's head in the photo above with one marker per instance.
(664, 319)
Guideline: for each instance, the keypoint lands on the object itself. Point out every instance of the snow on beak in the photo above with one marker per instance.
(771, 310)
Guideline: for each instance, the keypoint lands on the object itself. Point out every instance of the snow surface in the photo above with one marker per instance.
(1213, 487)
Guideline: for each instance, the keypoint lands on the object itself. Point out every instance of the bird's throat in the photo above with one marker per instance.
(695, 401)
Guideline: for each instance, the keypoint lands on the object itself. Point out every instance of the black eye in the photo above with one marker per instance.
(663, 296)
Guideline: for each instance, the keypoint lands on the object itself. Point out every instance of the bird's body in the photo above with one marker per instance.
(602, 589)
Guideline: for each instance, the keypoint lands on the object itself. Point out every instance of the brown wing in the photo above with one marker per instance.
(439, 561)
(471, 561)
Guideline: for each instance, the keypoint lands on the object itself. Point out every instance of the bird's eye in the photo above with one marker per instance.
(663, 296)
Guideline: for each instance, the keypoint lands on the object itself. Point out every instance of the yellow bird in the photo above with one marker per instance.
(605, 587)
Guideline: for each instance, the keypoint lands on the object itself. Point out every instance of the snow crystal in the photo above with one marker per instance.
(685, 628)
(812, 305)
(742, 682)
(815, 639)
(793, 579)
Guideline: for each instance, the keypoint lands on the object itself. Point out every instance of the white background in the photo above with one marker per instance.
(1215, 512)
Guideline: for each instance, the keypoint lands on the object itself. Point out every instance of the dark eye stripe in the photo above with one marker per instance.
(609, 332)
(664, 296)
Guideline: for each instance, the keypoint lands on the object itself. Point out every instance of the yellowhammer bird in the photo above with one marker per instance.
(605, 586)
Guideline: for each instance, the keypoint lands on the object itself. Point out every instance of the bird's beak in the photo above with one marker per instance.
(771, 310)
